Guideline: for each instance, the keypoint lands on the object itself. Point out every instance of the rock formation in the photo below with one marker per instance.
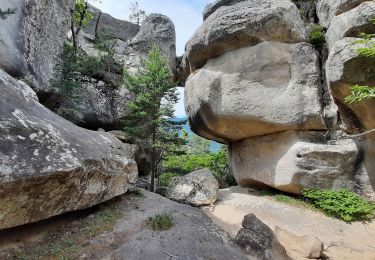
(259, 241)
(197, 188)
(32, 39)
(255, 83)
(101, 102)
(50, 166)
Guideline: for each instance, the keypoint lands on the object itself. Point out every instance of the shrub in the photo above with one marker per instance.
(341, 204)
(160, 222)
(216, 162)
(317, 36)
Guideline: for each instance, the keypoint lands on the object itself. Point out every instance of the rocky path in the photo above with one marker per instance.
(341, 241)
(118, 230)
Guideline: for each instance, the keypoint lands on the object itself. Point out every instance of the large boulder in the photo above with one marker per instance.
(197, 188)
(32, 39)
(291, 161)
(259, 241)
(256, 90)
(244, 23)
(157, 30)
(344, 69)
(327, 9)
(351, 23)
(50, 166)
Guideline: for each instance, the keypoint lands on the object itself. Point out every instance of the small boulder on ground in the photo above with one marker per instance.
(306, 246)
(258, 240)
(198, 188)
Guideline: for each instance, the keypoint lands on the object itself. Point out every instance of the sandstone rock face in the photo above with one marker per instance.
(160, 31)
(306, 246)
(351, 23)
(327, 9)
(97, 105)
(50, 166)
(244, 23)
(103, 103)
(258, 240)
(197, 188)
(254, 83)
(32, 38)
(225, 100)
(290, 161)
(346, 68)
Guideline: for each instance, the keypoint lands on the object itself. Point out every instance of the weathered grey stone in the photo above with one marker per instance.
(50, 166)
(120, 29)
(352, 23)
(196, 188)
(212, 7)
(327, 9)
(344, 69)
(97, 105)
(103, 102)
(291, 161)
(32, 39)
(157, 30)
(243, 24)
(258, 240)
(257, 90)
(304, 246)
(193, 235)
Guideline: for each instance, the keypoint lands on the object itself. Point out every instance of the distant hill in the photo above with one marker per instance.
(214, 145)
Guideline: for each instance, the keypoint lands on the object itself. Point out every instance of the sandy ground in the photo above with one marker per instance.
(341, 240)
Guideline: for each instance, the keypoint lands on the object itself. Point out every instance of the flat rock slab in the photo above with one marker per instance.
(193, 236)
(346, 241)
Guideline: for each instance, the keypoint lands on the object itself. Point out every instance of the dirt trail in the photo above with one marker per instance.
(343, 241)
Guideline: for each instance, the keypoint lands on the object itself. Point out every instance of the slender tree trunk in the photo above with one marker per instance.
(153, 162)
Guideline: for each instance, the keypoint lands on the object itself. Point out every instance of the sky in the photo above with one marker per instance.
(185, 14)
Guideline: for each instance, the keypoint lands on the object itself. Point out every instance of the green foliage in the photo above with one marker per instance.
(197, 145)
(317, 36)
(165, 178)
(216, 162)
(4, 14)
(360, 93)
(294, 201)
(160, 222)
(149, 123)
(341, 204)
(136, 192)
(103, 221)
(81, 17)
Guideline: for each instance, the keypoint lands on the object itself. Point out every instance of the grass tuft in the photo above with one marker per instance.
(160, 222)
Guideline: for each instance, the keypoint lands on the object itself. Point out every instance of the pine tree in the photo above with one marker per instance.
(137, 15)
(80, 18)
(149, 123)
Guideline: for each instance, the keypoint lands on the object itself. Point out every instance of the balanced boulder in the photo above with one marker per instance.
(225, 100)
(244, 23)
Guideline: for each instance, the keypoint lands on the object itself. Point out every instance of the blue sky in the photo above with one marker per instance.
(186, 15)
